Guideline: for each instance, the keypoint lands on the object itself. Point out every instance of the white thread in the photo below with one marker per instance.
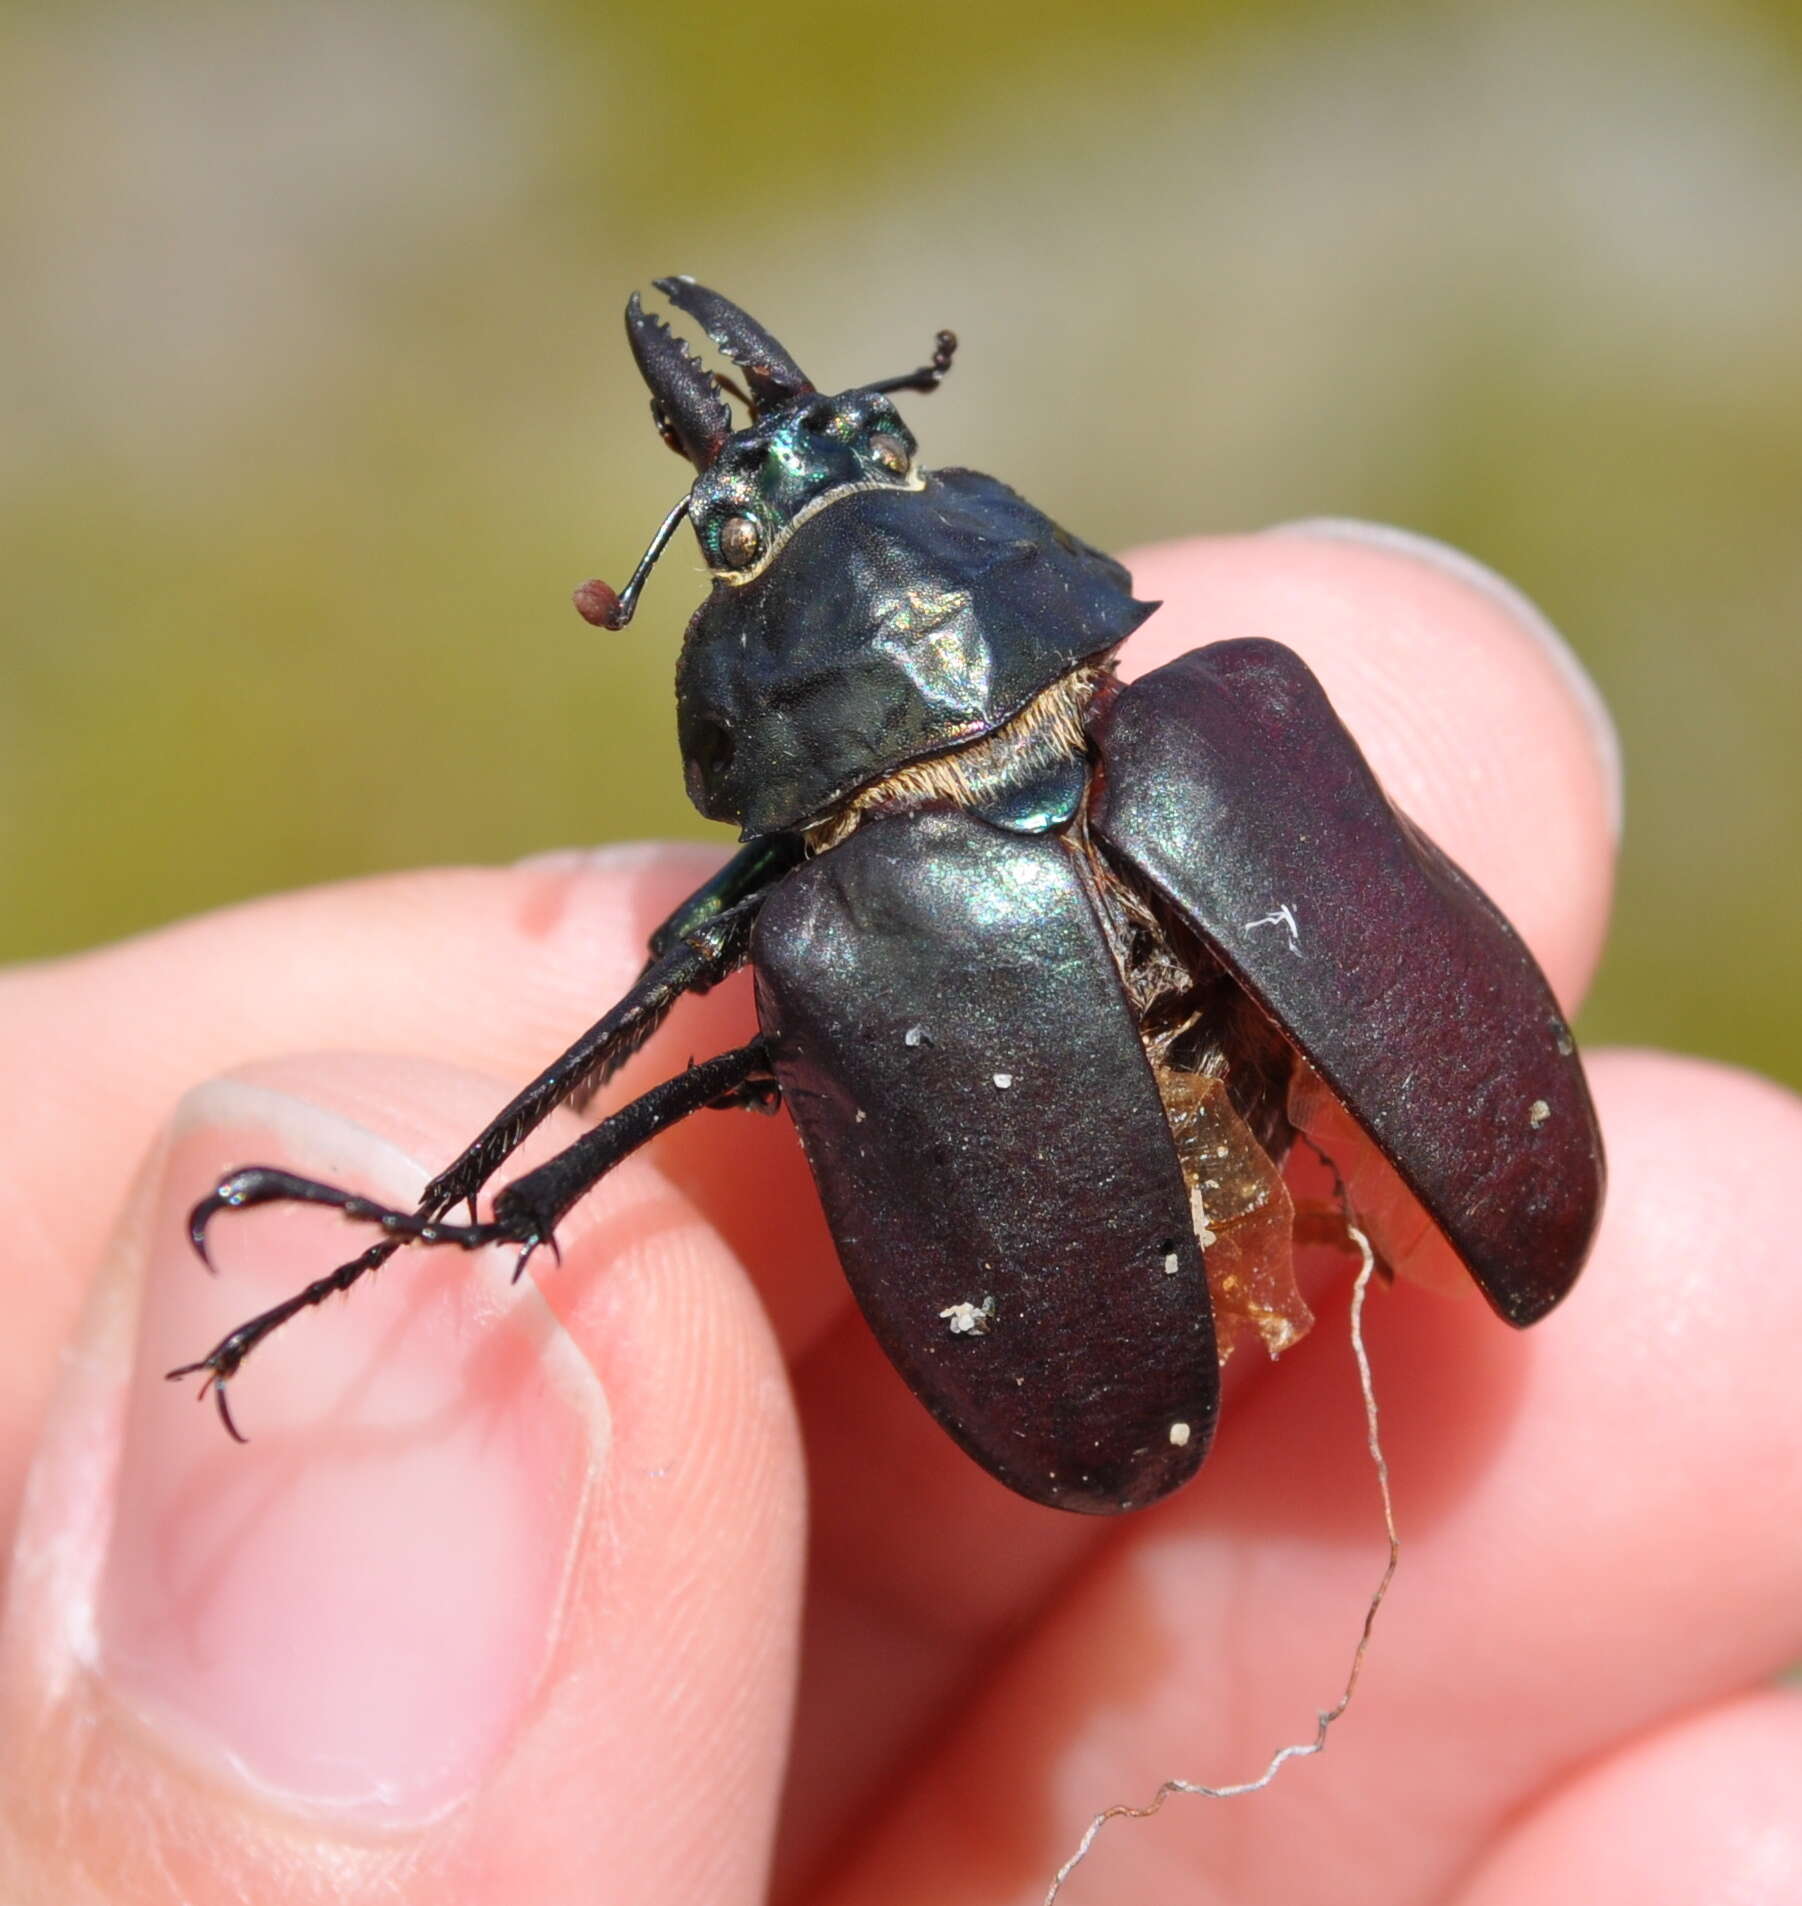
(1298, 1750)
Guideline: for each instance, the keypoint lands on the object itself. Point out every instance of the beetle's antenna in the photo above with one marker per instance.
(1298, 1750)
(928, 376)
(596, 602)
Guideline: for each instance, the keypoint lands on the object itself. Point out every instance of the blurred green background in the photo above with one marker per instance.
(314, 403)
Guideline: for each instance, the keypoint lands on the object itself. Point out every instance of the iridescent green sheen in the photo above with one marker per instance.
(775, 469)
(1042, 801)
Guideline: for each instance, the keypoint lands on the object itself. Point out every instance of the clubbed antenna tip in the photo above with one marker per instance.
(597, 603)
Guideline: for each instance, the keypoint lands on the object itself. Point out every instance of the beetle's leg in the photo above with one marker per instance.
(755, 866)
(699, 958)
(748, 875)
(692, 963)
(526, 1212)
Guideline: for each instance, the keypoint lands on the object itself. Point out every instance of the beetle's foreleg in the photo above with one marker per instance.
(703, 943)
(755, 866)
(719, 911)
(526, 1212)
(710, 948)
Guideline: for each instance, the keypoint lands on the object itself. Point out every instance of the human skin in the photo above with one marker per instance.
(504, 1599)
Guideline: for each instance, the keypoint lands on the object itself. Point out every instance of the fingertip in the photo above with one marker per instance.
(1522, 613)
(1696, 1245)
(1704, 1809)
(480, 1536)
(1747, 1122)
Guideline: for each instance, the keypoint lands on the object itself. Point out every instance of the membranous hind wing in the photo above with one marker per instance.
(953, 1042)
(1231, 788)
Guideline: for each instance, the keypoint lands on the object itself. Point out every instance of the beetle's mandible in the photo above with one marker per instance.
(1051, 972)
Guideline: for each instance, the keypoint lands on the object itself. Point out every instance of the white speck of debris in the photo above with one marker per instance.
(861, 1116)
(1004, 1080)
(1198, 1217)
(970, 1320)
(1566, 1045)
(1172, 1264)
(1179, 1434)
(914, 1035)
(1537, 1113)
(1284, 916)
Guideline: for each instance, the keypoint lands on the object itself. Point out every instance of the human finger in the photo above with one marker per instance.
(1704, 1809)
(499, 1601)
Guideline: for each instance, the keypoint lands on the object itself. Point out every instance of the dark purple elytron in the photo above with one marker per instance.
(1051, 972)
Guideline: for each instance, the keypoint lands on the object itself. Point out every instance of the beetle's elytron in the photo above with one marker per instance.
(1051, 972)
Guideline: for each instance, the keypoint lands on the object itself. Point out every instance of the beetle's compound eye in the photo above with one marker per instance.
(890, 452)
(740, 541)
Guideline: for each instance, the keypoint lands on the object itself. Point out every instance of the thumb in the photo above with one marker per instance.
(499, 1601)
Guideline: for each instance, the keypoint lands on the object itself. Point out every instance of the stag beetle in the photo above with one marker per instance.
(1051, 971)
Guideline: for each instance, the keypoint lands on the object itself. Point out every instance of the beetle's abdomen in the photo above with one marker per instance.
(952, 1039)
(894, 624)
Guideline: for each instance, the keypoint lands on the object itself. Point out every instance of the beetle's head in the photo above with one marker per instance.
(766, 479)
(864, 614)
(799, 450)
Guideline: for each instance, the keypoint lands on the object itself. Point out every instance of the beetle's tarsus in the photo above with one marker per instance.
(265, 1184)
(198, 1220)
(597, 603)
(258, 1184)
(217, 1386)
(526, 1213)
(226, 1357)
(529, 1246)
(219, 1364)
(230, 1194)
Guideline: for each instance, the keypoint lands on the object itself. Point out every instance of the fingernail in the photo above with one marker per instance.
(1520, 609)
(351, 1613)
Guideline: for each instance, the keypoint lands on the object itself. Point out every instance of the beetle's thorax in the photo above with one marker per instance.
(893, 627)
